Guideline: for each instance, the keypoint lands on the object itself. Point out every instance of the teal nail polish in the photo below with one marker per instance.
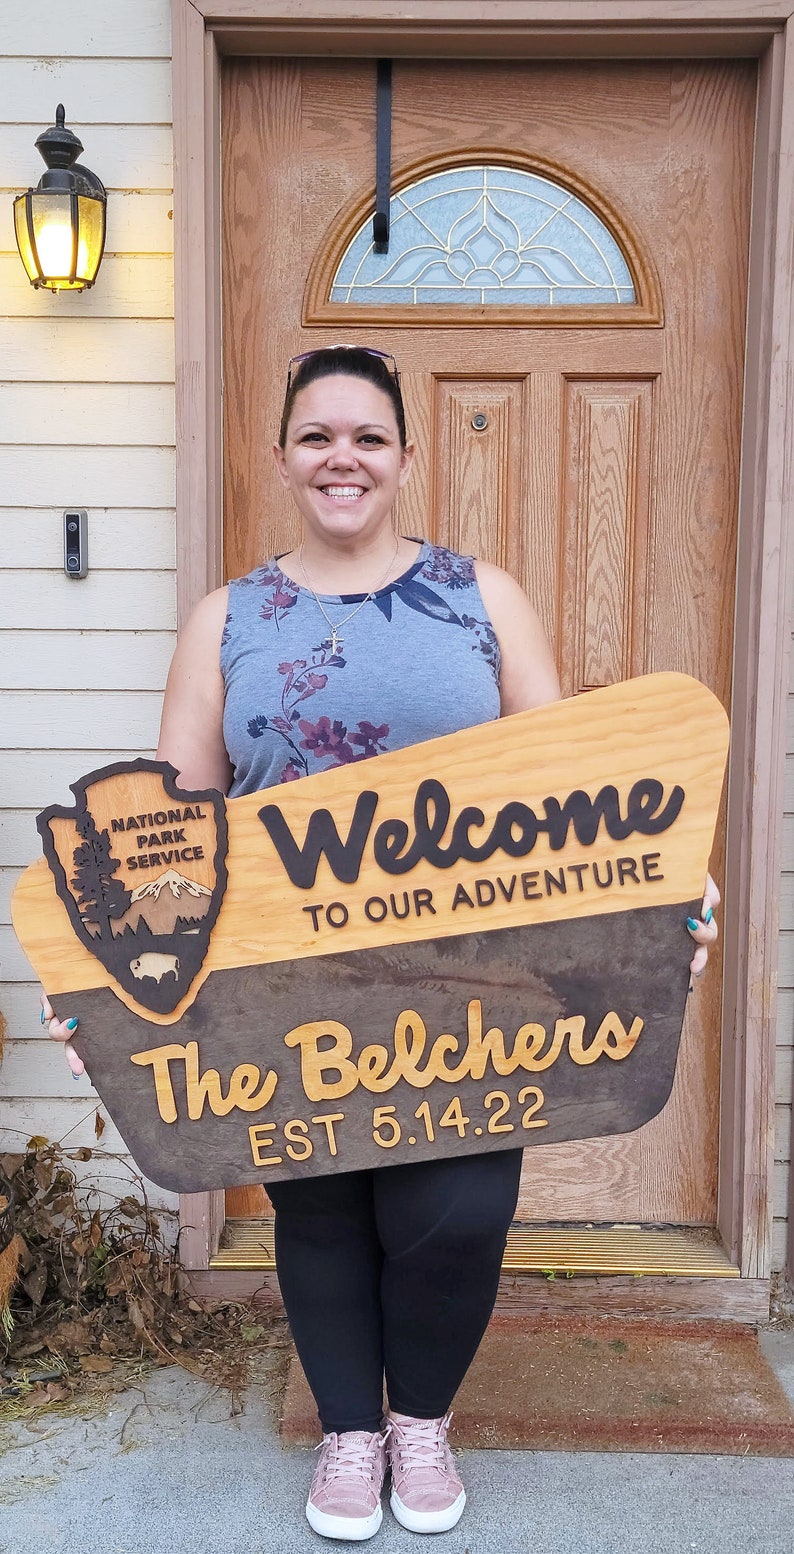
(708, 916)
(43, 1018)
(71, 1025)
(691, 924)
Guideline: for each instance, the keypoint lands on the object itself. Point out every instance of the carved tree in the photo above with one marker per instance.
(100, 897)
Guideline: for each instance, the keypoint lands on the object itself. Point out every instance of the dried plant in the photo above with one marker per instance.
(99, 1293)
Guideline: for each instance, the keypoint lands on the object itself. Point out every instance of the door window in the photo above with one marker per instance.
(479, 235)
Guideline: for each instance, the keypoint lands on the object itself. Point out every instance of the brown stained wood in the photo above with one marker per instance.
(647, 309)
(414, 512)
(247, 1203)
(592, 1179)
(518, 1038)
(331, 15)
(692, 556)
(535, 548)
(729, 1300)
(606, 519)
(261, 296)
(679, 37)
(478, 501)
(664, 727)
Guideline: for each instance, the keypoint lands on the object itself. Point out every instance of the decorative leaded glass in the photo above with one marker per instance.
(486, 234)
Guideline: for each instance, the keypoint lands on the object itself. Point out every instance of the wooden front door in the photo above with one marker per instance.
(592, 450)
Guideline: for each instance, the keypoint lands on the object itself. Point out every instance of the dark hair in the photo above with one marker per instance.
(349, 362)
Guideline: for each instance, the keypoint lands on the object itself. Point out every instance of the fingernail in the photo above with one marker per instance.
(708, 916)
(690, 989)
(691, 924)
(71, 1025)
(43, 1018)
(79, 1076)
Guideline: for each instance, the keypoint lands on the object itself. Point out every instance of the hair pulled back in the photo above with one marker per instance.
(347, 361)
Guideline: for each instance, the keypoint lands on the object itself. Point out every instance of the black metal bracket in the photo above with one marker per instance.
(383, 96)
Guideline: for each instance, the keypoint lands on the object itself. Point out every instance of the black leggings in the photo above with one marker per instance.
(396, 1270)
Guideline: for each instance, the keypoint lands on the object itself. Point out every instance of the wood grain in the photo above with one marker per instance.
(192, 1132)
(479, 484)
(565, 111)
(666, 727)
(605, 521)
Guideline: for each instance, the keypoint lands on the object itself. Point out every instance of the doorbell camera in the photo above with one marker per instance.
(75, 542)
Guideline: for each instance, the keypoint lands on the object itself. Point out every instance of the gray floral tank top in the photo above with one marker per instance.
(419, 659)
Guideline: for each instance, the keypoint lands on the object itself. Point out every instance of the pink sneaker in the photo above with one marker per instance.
(426, 1493)
(344, 1500)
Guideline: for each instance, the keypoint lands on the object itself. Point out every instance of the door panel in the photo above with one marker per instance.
(606, 476)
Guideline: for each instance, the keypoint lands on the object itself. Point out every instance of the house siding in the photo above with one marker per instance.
(86, 420)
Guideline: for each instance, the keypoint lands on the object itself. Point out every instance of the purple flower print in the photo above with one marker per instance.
(326, 740)
(331, 741)
(370, 738)
(301, 680)
(281, 598)
(486, 643)
(443, 566)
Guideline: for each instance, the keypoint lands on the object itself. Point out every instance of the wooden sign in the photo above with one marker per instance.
(475, 943)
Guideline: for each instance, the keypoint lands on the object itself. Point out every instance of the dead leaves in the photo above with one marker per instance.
(98, 1293)
(98, 1364)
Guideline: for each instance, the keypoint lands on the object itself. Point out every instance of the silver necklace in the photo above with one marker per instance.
(336, 640)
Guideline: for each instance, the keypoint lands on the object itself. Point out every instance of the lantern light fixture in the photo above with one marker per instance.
(60, 225)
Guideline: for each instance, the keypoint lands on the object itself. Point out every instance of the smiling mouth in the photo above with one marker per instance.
(343, 493)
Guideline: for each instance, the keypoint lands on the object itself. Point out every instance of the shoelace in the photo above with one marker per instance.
(349, 1455)
(425, 1444)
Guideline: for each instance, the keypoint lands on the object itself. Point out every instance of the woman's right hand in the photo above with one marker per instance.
(63, 1031)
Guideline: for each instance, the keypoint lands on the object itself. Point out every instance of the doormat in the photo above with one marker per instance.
(542, 1383)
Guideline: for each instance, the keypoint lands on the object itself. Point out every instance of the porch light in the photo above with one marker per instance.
(60, 225)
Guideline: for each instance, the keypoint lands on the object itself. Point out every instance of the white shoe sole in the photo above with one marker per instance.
(428, 1521)
(354, 1529)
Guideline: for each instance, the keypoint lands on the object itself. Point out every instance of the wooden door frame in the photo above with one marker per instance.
(206, 30)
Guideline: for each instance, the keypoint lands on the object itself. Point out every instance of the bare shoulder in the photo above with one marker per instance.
(207, 618)
(497, 586)
(191, 728)
(528, 675)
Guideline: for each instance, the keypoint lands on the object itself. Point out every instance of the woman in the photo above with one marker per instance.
(359, 641)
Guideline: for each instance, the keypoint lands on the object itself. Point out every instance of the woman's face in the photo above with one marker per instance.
(342, 459)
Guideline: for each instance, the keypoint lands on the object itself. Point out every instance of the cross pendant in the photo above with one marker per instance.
(336, 640)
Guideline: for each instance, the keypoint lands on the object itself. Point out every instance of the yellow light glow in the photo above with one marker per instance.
(48, 259)
(52, 230)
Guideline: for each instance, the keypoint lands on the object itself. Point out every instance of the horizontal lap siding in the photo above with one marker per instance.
(86, 420)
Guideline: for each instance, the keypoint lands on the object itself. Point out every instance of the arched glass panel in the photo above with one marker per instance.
(474, 235)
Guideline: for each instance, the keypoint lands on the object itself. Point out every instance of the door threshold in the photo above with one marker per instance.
(550, 1251)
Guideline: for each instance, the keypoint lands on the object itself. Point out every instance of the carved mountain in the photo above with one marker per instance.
(165, 904)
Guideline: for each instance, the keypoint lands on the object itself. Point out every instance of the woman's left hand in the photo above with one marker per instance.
(704, 929)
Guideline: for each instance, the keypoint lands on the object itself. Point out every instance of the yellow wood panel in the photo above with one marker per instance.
(666, 727)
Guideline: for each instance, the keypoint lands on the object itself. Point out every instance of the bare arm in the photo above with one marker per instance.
(191, 727)
(529, 676)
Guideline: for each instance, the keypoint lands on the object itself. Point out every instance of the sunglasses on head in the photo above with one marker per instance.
(368, 350)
